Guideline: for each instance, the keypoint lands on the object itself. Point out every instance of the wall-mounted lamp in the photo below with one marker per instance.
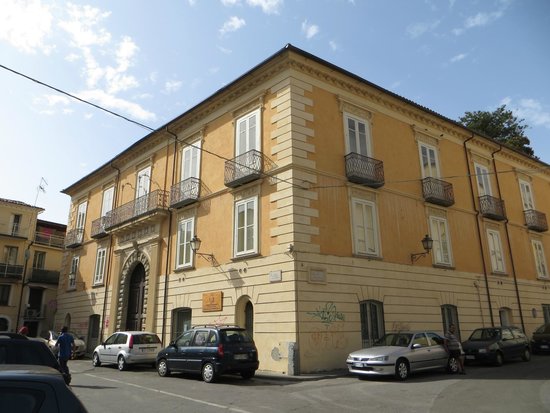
(195, 246)
(427, 243)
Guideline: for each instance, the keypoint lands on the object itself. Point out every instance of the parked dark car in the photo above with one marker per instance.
(210, 351)
(25, 351)
(540, 342)
(496, 345)
(37, 389)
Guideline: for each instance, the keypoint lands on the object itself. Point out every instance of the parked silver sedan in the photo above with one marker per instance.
(400, 354)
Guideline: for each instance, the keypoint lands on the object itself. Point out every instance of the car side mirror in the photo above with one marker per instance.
(415, 346)
(172, 344)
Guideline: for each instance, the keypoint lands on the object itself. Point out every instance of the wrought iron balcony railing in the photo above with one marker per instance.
(49, 239)
(363, 170)
(185, 192)
(74, 238)
(535, 220)
(44, 276)
(492, 207)
(11, 271)
(438, 192)
(144, 205)
(243, 169)
(98, 227)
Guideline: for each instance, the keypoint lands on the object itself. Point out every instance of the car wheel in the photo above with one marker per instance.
(162, 368)
(499, 359)
(526, 356)
(402, 369)
(452, 365)
(95, 360)
(248, 374)
(122, 365)
(208, 373)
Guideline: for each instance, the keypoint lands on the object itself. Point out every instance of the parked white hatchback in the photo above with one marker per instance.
(128, 347)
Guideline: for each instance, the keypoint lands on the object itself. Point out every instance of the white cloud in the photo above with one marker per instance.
(268, 6)
(72, 57)
(26, 25)
(233, 24)
(82, 26)
(333, 45)
(172, 86)
(310, 30)
(481, 19)
(114, 103)
(213, 70)
(224, 50)
(418, 29)
(230, 2)
(458, 57)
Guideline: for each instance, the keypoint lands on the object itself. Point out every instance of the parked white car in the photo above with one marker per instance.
(128, 347)
(51, 337)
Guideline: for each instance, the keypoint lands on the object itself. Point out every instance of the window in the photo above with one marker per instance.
(81, 215)
(16, 224)
(181, 321)
(143, 182)
(372, 321)
(5, 294)
(10, 255)
(190, 161)
(546, 312)
(107, 204)
(365, 228)
(184, 255)
(357, 135)
(449, 315)
(428, 161)
(39, 260)
(100, 265)
(246, 226)
(526, 195)
(495, 250)
(248, 133)
(540, 260)
(4, 324)
(441, 241)
(73, 272)
(483, 182)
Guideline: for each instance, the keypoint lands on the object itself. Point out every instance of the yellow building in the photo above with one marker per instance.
(311, 190)
(32, 253)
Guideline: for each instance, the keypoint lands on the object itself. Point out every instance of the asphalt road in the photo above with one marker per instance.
(515, 387)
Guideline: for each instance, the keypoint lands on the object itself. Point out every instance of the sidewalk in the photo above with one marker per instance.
(271, 375)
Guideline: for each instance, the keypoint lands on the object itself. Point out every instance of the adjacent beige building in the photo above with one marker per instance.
(310, 190)
(32, 253)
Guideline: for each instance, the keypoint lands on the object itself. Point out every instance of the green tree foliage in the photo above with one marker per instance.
(501, 125)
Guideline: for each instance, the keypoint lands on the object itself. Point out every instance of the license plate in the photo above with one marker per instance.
(147, 350)
(544, 346)
(358, 365)
(241, 356)
(470, 357)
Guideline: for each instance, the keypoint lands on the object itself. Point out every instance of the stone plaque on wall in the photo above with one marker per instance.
(212, 301)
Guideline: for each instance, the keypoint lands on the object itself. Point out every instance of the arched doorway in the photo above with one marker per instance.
(244, 314)
(136, 295)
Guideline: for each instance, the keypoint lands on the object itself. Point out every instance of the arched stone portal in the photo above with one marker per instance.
(133, 289)
(244, 314)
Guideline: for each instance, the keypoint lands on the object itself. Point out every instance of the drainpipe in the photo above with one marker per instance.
(508, 241)
(479, 231)
(169, 243)
(109, 261)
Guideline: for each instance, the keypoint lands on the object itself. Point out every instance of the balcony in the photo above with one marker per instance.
(535, 220)
(243, 169)
(13, 272)
(492, 207)
(44, 276)
(98, 228)
(51, 240)
(185, 192)
(74, 238)
(146, 206)
(438, 192)
(363, 170)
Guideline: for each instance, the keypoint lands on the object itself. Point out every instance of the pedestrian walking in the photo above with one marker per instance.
(454, 348)
(65, 343)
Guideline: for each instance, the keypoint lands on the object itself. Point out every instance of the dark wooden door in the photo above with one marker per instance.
(134, 315)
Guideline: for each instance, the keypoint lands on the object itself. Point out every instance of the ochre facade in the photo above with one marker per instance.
(311, 190)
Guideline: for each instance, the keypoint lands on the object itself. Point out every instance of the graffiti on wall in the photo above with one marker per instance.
(330, 337)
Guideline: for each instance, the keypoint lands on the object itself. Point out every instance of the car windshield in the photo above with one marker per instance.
(55, 335)
(543, 329)
(395, 339)
(235, 336)
(484, 334)
(146, 339)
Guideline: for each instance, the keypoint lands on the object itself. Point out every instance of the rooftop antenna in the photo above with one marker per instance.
(40, 188)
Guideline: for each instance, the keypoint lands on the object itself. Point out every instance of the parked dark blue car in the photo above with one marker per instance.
(496, 345)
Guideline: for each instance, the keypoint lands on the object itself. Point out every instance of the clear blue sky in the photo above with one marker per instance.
(152, 60)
